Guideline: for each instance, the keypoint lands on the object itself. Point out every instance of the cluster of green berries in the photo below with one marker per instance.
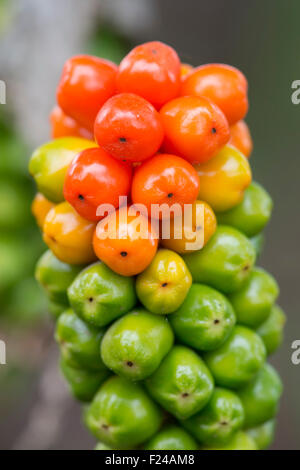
(179, 364)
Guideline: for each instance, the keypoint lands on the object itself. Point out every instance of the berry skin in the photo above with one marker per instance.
(129, 128)
(240, 138)
(195, 128)
(65, 126)
(226, 86)
(68, 235)
(151, 70)
(125, 252)
(86, 83)
(164, 179)
(95, 178)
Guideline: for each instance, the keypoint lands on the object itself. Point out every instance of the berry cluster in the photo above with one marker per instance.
(164, 336)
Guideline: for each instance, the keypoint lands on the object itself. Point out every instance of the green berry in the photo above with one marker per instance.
(225, 262)
(172, 438)
(135, 345)
(55, 276)
(261, 396)
(240, 441)
(271, 331)
(83, 383)
(99, 295)
(238, 359)
(163, 286)
(219, 420)
(79, 342)
(263, 435)
(252, 214)
(204, 320)
(122, 415)
(253, 302)
(182, 384)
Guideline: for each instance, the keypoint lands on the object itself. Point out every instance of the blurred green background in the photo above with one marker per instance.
(260, 38)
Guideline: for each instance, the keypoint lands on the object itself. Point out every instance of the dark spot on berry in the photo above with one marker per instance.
(216, 321)
(91, 299)
(245, 268)
(185, 395)
(123, 253)
(129, 363)
(224, 423)
(122, 139)
(213, 130)
(81, 197)
(164, 284)
(105, 426)
(170, 195)
(154, 51)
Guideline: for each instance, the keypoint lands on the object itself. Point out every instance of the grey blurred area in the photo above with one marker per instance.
(261, 38)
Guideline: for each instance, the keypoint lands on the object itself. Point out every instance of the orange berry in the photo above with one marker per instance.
(195, 128)
(129, 128)
(65, 126)
(124, 251)
(226, 86)
(164, 179)
(240, 138)
(86, 83)
(151, 70)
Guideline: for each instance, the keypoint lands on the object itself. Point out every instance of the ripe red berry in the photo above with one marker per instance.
(129, 128)
(95, 178)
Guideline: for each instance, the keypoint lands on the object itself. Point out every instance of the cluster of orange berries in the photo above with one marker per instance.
(156, 131)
